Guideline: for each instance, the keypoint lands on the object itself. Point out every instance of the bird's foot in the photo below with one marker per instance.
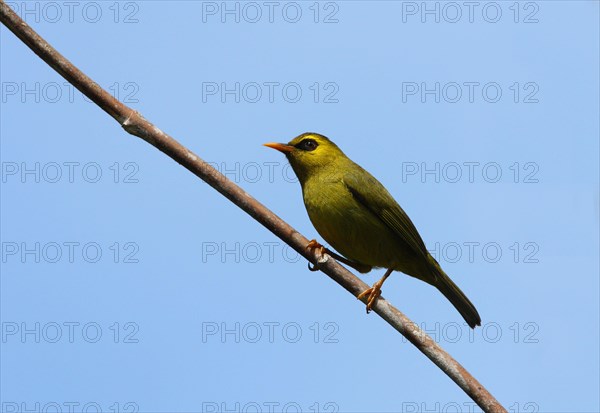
(320, 252)
(372, 293)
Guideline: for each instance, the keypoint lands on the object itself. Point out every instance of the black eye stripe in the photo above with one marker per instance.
(307, 145)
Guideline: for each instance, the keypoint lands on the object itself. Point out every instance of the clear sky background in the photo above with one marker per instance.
(128, 284)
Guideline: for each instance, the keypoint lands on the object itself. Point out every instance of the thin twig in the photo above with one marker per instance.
(136, 125)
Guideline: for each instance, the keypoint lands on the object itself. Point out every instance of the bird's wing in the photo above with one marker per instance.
(369, 192)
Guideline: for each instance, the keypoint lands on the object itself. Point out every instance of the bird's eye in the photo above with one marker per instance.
(308, 145)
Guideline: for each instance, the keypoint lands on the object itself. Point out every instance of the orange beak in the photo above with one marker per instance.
(281, 147)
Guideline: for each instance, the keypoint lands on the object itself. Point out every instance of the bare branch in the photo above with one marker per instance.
(136, 125)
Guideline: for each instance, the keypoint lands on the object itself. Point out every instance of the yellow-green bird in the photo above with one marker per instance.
(358, 217)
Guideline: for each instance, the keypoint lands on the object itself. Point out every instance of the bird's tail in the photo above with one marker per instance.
(458, 299)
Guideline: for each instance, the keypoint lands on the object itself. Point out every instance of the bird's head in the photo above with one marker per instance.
(309, 153)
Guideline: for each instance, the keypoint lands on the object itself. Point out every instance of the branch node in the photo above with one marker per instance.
(322, 259)
(127, 123)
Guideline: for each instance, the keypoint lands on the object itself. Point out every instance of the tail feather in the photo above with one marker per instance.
(458, 299)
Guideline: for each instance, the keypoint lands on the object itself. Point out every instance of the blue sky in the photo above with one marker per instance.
(129, 285)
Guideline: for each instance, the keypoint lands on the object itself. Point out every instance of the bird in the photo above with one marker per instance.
(357, 216)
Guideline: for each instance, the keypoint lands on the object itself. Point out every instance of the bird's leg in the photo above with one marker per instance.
(313, 244)
(375, 291)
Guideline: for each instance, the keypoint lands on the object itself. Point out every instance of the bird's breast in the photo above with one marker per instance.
(348, 226)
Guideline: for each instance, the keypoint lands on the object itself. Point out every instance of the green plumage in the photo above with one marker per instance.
(354, 213)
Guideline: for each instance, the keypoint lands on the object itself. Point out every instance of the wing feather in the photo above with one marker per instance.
(381, 204)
